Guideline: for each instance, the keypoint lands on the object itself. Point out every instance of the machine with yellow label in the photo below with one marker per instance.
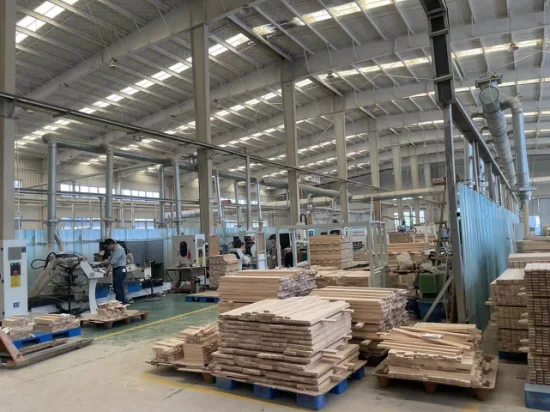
(188, 251)
(13, 278)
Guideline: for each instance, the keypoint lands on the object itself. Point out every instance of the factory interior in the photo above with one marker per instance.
(252, 205)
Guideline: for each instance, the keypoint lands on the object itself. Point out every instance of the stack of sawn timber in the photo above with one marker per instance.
(530, 246)
(221, 265)
(436, 352)
(18, 327)
(520, 260)
(374, 310)
(249, 286)
(191, 347)
(112, 309)
(508, 298)
(297, 344)
(537, 289)
(55, 323)
(331, 250)
(417, 251)
(338, 277)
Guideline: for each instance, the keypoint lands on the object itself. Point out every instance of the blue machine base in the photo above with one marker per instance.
(537, 396)
(43, 337)
(513, 356)
(313, 402)
(203, 299)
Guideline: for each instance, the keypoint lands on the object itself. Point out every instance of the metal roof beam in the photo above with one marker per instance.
(83, 54)
(45, 56)
(122, 11)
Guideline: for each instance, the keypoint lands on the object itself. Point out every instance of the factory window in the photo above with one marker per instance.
(126, 192)
(79, 223)
(144, 224)
(102, 190)
(535, 225)
(407, 217)
(66, 187)
(17, 184)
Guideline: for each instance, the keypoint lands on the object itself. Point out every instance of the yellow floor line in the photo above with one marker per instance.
(169, 382)
(154, 323)
(472, 407)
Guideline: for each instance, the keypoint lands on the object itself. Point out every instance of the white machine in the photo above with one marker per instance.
(188, 251)
(13, 274)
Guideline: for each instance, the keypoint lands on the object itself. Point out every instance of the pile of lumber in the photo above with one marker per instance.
(374, 310)
(331, 250)
(249, 286)
(339, 277)
(422, 237)
(537, 289)
(406, 281)
(520, 260)
(508, 298)
(18, 327)
(193, 346)
(55, 323)
(221, 265)
(530, 246)
(112, 309)
(297, 344)
(399, 237)
(436, 352)
(418, 252)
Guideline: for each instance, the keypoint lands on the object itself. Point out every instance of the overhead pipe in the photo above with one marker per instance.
(489, 97)
(400, 194)
(258, 196)
(102, 219)
(221, 211)
(239, 212)
(162, 220)
(248, 196)
(52, 173)
(177, 196)
(109, 192)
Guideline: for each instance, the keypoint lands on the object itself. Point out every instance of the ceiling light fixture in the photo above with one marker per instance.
(513, 47)
(113, 63)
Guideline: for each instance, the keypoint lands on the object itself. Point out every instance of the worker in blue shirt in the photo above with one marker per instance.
(116, 263)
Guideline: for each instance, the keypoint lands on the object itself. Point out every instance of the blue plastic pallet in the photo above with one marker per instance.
(537, 396)
(43, 337)
(513, 356)
(313, 402)
(203, 299)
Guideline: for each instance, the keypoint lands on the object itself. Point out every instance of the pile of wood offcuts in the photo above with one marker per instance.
(219, 266)
(112, 309)
(537, 289)
(508, 299)
(249, 286)
(337, 277)
(55, 323)
(191, 347)
(436, 352)
(331, 250)
(374, 310)
(297, 344)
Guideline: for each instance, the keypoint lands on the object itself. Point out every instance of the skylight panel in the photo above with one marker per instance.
(529, 81)
(373, 4)
(303, 83)
(63, 122)
(237, 40)
(170, 132)
(87, 110)
(469, 52)
(101, 104)
(129, 90)
(49, 9)
(50, 127)
(269, 96)
(216, 50)
(252, 102)
(264, 30)
(178, 67)
(19, 37)
(316, 16)
(114, 97)
(345, 9)
(415, 62)
(31, 138)
(144, 83)
(237, 108)
(161, 75)
(30, 23)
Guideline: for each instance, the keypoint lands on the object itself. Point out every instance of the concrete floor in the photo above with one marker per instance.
(111, 375)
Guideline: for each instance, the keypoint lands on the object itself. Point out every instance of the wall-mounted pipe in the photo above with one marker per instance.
(177, 196)
(221, 211)
(258, 197)
(237, 201)
(400, 194)
(248, 196)
(102, 218)
(162, 217)
(109, 177)
(52, 173)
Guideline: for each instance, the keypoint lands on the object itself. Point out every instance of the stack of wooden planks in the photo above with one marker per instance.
(331, 250)
(417, 251)
(399, 237)
(374, 310)
(520, 260)
(537, 289)
(112, 309)
(18, 327)
(339, 277)
(193, 346)
(249, 286)
(530, 246)
(436, 352)
(297, 344)
(221, 265)
(508, 298)
(55, 323)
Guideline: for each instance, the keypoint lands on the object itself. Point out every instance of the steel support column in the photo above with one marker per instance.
(476, 165)
(428, 183)
(248, 196)
(415, 185)
(342, 162)
(289, 113)
(7, 119)
(201, 96)
(468, 163)
(162, 217)
(52, 185)
(177, 198)
(397, 179)
(374, 162)
(102, 218)
(109, 177)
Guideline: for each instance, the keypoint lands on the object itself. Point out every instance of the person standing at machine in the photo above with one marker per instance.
(116, 263)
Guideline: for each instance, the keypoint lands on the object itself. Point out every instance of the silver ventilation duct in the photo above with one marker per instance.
(489, 97)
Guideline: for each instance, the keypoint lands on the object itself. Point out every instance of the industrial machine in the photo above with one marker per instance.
(249, 247)
(71, 279)
(13, 285)
(188, 250)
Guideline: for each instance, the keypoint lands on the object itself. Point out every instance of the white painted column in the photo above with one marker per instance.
(415, 185)
(428, 183)
(342, 162)
(397, 178)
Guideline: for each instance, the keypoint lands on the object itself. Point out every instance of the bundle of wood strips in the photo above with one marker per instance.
(18, 327)
(219, 266)
(249, 286)
(112, 309)
(331, 250)
(537, 289)
(508, 298)
(436, 352)
(297, 344)
(55, 323)
(168, 350)
(339, 277)
(520, 260)
(532, 245)
(374, 310)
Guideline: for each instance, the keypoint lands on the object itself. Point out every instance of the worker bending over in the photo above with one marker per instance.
(116, 263)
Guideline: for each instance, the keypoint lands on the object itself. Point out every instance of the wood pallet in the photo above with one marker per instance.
(481, 392)
(42, 337)
(210, 296)
(108, 323)
(181, 366)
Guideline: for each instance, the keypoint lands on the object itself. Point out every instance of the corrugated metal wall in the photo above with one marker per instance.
(487, 239)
